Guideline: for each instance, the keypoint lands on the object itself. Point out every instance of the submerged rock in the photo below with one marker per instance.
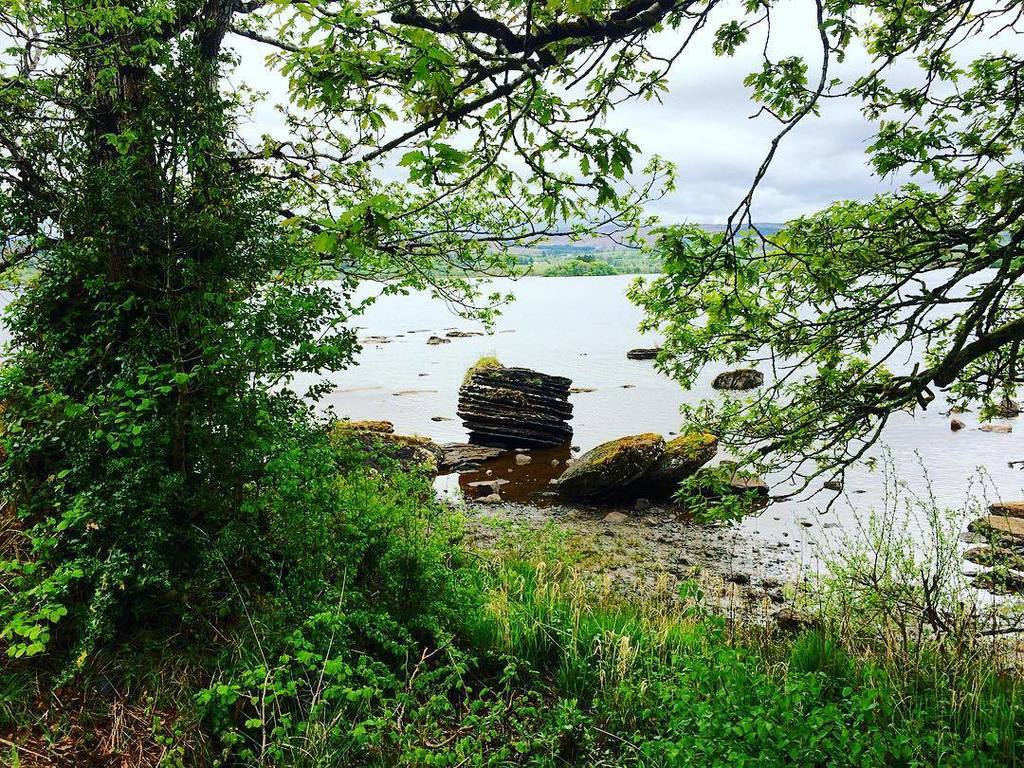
(642, 353)
(956, 425)
(1002, 429)
(435, 340)
(739, 379)
(515, 407)
(463, 334)
(683, 456)
(610, 468)
(459, 456)
(726, 479)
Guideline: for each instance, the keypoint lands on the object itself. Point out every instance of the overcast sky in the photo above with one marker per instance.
(704, 126)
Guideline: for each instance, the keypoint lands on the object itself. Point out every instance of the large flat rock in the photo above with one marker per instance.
(515, 407)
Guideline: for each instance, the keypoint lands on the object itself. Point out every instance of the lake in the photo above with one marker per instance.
(582, 327)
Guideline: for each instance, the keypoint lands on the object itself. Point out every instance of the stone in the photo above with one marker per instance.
(726, 478)
(833, 485)
(1000, 582)
(522, 459)
(412, 452)
(738, 578)
(1001, 429)
(555, 462)
(1008, 409)
(491, 498)
(1001, 528)
(641, 505)
(956, 425)
(739, 379)
(461, 456)
(515, 407)
(369, 425)
(462, 334)
(616, 518)
(642, 353)
(610, 468)
(1007, 508)
(581, 390)
(790, 620)
(486, 487)
(435, 340)
(992, 557)
(440, 418)
(683, 456)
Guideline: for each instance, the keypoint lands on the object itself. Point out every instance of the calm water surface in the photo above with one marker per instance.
(581, 327)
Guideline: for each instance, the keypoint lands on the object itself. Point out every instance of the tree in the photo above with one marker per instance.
(173, 268)
(867, 309)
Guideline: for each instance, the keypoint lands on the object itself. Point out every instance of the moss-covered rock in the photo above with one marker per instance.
(611, 468)
(683, 456)
(412, 452)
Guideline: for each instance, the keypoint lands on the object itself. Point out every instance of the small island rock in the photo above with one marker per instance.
(739, 379)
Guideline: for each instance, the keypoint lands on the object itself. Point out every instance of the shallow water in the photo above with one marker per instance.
(582, 327)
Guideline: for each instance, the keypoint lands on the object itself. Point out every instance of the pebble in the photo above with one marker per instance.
(522, 459)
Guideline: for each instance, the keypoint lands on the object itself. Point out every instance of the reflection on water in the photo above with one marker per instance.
(530, 483)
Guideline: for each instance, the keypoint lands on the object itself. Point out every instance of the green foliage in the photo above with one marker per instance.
(578, 268)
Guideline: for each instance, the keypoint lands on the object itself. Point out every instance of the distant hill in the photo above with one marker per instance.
(599, 255)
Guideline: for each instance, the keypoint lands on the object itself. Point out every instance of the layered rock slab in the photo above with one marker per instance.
(515, 407)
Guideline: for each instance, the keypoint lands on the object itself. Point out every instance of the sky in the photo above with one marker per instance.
(704, 126)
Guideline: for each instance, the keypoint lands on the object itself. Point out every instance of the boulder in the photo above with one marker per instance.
(435, 340)
(739, 379)
(522, 459)
(1008, 409)
(412, 452)
(515, 407)
(993, 557)
(611, 468)
(833, 485)
(459, 456)
(642, 353)
(683, 456)
(956, 425)
(1000, 582)
(1008, 508)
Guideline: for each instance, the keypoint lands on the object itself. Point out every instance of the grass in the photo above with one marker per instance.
(430, 655)
(487, 361)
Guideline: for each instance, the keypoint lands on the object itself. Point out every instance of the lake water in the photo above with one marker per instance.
(582, 327)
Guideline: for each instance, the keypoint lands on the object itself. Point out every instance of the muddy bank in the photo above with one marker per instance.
(660, 543)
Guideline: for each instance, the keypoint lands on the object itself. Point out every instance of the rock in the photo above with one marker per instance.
(610, 468)
(641, 505)
(515, 407)
(406, 392)
(435, 340)
(643, 354)
(1001, 528)
(460, 456)
(683, 456)
(738, 578)
(739, 379)
(491, 498)
(726, 479)
(375, 340)
(555, 462)
(365, 426)
(488, 486)
(1008, 508)
(440, 418)
(412, 452)
(1000, 582)
(522, 459)
(833, 485)
(615, 517)
(1001, 429)
(790, 620)
(956, 425)
(992, 557)
(1008, 409)
(581, 390)
(462, 334)
(629, 386)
